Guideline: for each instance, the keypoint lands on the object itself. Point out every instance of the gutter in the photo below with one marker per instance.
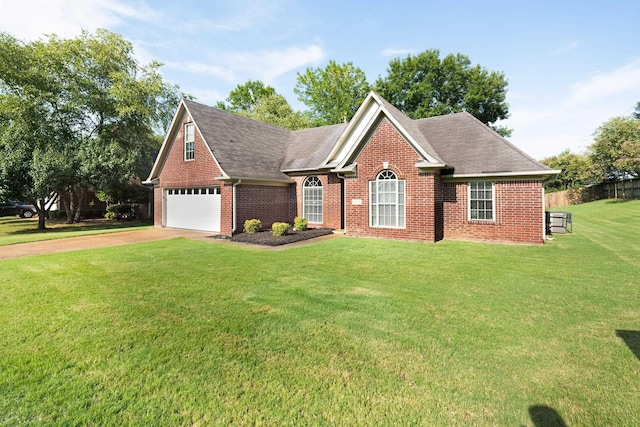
(254, 180)
(545, 175)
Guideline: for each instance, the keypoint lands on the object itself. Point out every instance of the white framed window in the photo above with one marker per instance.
(312, 200)
(481, 201)
(189, 139)
(387, 201)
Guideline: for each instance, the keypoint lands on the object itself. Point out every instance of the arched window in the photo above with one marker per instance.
(387, 201)
(312, 200)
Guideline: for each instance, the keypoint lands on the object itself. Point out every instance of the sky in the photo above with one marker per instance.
(571, 65)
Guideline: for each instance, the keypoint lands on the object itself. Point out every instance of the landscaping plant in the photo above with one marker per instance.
(279, 228)
(252, 226)
(300, 223)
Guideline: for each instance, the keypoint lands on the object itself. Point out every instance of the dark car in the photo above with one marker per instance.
(10, 208)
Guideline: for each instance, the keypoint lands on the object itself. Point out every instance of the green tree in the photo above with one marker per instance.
(76, 115)
(334, 93)
(275, 110)
(636, 114)
(245, 97)
(425, 85)
(616, 148)
(577, 170)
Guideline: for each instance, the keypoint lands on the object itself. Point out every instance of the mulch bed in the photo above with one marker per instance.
(264, 237)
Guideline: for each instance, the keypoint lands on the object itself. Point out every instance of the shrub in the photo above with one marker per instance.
(300, 223)
(279, 228)
(252, 226)
(122, 211)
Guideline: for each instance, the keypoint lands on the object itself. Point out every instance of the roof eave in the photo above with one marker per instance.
(248, 180)
(543, 175)
(426, 166)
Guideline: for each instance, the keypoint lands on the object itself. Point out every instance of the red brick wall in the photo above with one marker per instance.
(518, 213)
(157, 207)
(201, 171)
(331, 200)
(422, 189)
(266, 203)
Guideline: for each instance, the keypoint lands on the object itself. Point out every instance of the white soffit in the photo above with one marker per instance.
(354, 131)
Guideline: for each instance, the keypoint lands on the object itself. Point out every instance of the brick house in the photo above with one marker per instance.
(380, 175)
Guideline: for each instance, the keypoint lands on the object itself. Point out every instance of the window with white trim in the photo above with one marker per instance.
(387, 201)
(312, 200)
(481, 201)
(189, 139)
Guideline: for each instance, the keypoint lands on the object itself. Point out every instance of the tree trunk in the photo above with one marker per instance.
(65, 198)
(81, 199)
(42, 215)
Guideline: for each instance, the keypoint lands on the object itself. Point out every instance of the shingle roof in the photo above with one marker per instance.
(306, 149)
(471, 147)
(246, 148)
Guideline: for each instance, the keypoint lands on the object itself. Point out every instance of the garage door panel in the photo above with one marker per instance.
(192, 211)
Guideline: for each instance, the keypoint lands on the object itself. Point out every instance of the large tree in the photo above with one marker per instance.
(616, 148)
(333, 93)
(245, 97)
(255, 100)
(425, 85)
(577, 170)
(275, 110)
(76, 115)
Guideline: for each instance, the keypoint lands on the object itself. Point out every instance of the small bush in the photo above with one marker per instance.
(252, 226)
(300, 223)
(122, 211)
(279, 228)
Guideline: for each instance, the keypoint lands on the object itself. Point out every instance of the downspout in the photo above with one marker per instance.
(544, 215)
(344, 202)
(233, 230)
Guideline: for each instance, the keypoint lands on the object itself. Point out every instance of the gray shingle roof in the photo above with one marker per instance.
(246, 148)
(306, 149)
(471, 147)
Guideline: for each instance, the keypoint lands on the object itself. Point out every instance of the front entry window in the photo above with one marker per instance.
(387, 201)
(312, 200)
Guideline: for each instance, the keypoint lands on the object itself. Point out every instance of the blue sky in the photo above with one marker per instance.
(571, 65)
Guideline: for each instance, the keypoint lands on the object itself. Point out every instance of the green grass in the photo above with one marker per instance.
(18, 230)
(341, 332)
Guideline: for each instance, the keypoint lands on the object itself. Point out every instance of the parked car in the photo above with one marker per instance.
(10, 208)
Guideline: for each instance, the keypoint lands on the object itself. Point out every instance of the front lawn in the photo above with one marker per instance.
(20, 230)
(346, 331)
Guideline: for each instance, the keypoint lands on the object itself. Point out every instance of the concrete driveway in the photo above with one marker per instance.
(97, 241)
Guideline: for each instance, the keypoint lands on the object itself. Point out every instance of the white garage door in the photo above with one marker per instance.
(193, 208)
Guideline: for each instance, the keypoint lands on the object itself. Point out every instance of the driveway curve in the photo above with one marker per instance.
(97, 241)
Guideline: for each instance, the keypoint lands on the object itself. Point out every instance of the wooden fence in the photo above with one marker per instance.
(627, 189)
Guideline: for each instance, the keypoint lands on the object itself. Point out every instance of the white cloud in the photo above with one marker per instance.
(32, 19)
(265, 65)
(246, 14)
(202, 68)
(270, 64)
(566, 48)
(388, 52)
(623, 79)
(546, 129)
(205, 96)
